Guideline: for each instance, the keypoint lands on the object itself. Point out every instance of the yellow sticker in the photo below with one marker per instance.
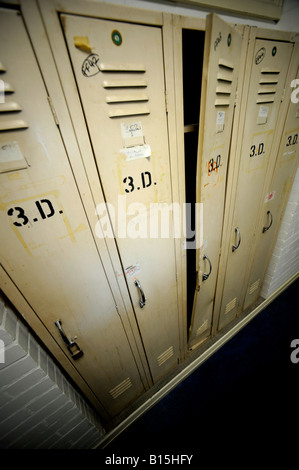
(82, 43)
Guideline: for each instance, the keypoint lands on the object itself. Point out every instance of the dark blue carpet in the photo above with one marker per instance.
(243, 401)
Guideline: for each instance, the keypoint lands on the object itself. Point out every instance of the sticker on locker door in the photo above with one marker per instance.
(220, 121)
(263, 114)
(134, 153)
(131, 130)
(11, 157)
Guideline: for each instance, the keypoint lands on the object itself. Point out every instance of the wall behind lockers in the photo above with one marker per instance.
(39, 408)
(285, 259)
(285, 256)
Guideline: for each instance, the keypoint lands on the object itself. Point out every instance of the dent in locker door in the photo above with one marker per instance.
(122, 94)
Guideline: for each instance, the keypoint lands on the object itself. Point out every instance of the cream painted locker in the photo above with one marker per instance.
(119, 72)
(223, 45)
(47, 246)
(275, 198)
(265, 75)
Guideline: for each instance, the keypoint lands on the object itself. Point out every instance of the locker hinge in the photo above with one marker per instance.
(166, 102)
(236, 97)
(53, 111)
(197, 286)
(117, 310)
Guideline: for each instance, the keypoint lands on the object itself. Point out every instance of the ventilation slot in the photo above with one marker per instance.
(224, 79)
(254, 286)
(224, 75)
(8, 88)
(226, 64)
(13, 125)
(267, 89)
(267, 70)
(124, 83)
(165, 356)
(125, 92)
(222, 102)
(266, 92)
(230, 306)
(126, 98)
(9, 107)
(2, 68)
(265, 99)
(122, 68)
(132, 111)
(268, 81)
(202, 328)
(121, 388)
(224, 89)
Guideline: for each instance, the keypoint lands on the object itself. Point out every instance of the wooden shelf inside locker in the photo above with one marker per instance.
(191, 128)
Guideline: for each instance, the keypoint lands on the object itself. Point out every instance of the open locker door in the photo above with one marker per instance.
(222, 52)
(120, 79)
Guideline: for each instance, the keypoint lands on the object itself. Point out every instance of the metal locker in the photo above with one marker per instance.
(119, 72)
(223, 45)
(276, 196)
(47, 247)
(265, 76)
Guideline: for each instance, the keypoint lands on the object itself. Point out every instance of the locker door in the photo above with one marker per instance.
(275, 200)
(46, 246)
(121, 85)
(220, 71)
(268, 72)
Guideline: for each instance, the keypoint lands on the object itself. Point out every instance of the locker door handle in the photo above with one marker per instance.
(235, 247)
(142, 300)
(72, 346)
(205, 276)
(271, 221)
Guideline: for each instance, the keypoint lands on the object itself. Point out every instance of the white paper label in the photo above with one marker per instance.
(263, 111)
(139, 151)
(220, 117)
(10, 152)
(131, 130)
(132, 270)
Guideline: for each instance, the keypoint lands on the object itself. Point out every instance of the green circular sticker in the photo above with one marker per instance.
(274, 50)
(116, 37)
